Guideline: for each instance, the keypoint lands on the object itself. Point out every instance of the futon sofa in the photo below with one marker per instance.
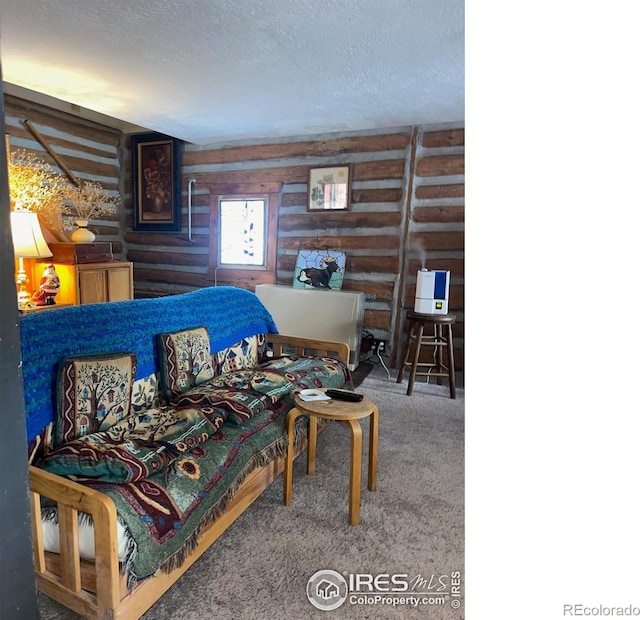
(152, 425)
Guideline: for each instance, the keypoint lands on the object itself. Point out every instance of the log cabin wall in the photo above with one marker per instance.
(434, 230)
(90, 150)
(407, 207)
(407, 191)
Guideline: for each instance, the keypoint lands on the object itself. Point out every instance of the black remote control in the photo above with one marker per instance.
(344, 395)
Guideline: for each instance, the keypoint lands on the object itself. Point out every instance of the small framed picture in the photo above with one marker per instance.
(329, 188)
(156, 162)
(322, 269)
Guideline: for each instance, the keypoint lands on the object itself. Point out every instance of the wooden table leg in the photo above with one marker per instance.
(288, 466)
(437, 337)
(373, 449)
(452, 365)
(356, 471)
(416, 356)
(405, 355)
(311, 446)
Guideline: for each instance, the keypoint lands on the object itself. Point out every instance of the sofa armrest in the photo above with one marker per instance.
(71, 498)
(283, 345)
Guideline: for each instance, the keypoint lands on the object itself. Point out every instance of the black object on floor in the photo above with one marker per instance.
(359, 374)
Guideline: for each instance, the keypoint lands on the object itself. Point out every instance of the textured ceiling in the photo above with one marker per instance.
(208, 71)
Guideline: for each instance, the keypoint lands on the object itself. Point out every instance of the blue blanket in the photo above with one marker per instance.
(229, 314)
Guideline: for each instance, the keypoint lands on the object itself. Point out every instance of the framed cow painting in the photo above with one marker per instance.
(322, 269)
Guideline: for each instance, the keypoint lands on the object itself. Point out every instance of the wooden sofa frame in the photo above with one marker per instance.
(97, 589)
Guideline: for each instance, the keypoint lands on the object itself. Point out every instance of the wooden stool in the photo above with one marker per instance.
(437, 340)
(348, 413)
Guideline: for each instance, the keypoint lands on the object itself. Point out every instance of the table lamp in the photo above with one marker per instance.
(28, 242)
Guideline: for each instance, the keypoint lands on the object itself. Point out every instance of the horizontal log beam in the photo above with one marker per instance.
(92, 167)
(63, 122)
(382, 291)
(454, 265)
(197, 280)
(377, 319)
(85, 170)
(443, 138)
(438, 214)
(372, 264)
(299, 199)
(338, 219)
(376, 195)
(440, 240)
(285, 174)
(366, 171)
(379, 170)
(166, 276)
(341, 242)
(453, 190)
(293, 199)
(440, 165)
(198, 220)
(17, 131)
(262, 187)
(168, 258)
(168, 239)
(312, 148)
(197, 200)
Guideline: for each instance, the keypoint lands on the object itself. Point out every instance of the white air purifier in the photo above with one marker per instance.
(432, 292)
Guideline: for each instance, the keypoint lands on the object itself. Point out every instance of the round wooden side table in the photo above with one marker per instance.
(348, 413)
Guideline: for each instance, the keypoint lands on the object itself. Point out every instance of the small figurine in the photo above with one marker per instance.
(49, 285)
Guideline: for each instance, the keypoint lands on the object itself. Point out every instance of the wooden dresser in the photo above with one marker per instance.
(89, 283)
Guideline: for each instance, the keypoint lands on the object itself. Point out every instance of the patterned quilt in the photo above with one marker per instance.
(166, 512)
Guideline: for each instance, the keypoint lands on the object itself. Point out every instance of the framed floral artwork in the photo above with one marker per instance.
(156, 172)
(329, 188)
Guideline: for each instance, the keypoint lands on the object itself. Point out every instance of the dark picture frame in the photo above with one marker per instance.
(156, 170)
(329, 188)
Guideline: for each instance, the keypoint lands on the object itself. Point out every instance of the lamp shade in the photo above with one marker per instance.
(28, 241)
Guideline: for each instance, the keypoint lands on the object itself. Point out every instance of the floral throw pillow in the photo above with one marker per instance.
(247, 353)
(93, 393)
(185, 360)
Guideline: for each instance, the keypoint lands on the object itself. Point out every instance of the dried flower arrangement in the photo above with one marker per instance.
(89, 200)
(34, 185)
